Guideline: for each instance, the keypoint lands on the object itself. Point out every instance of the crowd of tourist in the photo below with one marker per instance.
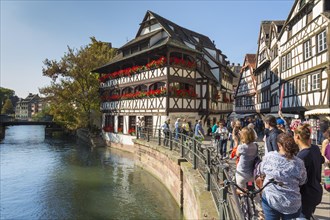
(289, 157)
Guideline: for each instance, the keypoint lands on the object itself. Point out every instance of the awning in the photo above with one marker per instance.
(286, 115)
(318, 111)
(244, 115)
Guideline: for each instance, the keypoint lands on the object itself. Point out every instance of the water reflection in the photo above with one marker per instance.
(60, 179)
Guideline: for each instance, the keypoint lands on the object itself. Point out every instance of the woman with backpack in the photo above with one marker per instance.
(312, 191)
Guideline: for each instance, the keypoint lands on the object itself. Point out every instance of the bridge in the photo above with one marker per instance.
(13, 123)
(50, 126)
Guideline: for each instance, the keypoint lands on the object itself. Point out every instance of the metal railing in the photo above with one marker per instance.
(205, 159)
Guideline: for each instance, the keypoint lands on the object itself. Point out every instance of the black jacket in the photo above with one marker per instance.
(271, 139)
(312, 191)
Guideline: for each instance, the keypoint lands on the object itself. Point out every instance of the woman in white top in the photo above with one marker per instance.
(222, 146)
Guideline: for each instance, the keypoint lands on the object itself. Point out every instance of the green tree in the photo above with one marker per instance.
(4, 95)
(8, 107)
(73, 92)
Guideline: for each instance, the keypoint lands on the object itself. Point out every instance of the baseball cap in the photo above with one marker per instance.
(280, 121)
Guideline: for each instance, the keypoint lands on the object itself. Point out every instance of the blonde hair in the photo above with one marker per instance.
(247, 135)
(304, 132)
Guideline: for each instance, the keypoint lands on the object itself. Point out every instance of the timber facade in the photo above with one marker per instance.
(294, 55)
(304, 58)
(245, 97)
(167, 71)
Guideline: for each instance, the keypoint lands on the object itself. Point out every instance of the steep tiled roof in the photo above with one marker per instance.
(140, 38)
(251, 58)
(183, 34)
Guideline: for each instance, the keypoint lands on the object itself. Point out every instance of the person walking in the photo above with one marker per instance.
(271, 125)
(166, 131)
(177, 128)
(223, 138)
(283, 201)
(199, 131)
(312, 191)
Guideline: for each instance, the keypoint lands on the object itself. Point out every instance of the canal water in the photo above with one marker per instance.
(60, 179)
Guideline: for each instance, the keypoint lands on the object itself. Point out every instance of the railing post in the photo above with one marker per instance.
(159, 137)
(171, 141)
(148, 134)
(182, 146)
(223, 194)
(195, 155)
(208, 174)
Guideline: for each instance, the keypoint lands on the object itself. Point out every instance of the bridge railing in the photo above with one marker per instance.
(204, 158)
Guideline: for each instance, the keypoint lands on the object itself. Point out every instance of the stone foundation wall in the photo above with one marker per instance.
(184, 183)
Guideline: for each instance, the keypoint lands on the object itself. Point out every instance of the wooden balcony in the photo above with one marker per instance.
(149, 75)
(155, 104)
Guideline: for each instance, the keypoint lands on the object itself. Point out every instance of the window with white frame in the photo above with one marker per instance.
(288, 60)
(290, 88)
(307, 49)
(321, 41)
(303, 85)
(283, 63)
(315, 81)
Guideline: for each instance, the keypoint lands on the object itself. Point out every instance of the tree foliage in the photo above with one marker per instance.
(73, 92)
(8, 107)
(4, 95)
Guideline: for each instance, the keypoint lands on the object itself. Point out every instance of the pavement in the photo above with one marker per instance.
(322, 211)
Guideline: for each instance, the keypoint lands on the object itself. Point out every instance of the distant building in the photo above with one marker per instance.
(28, 107)
(245, 96)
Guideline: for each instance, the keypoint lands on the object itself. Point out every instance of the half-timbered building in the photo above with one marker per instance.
(262, 71)
(245, 96)
(275, 29)
(304, 58)
(166, 71)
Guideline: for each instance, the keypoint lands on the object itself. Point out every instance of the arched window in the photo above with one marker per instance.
(141, 88)
(157, 85)
(114, 92)
(127, 90)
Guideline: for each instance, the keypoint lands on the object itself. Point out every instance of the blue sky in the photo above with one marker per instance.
(32, 31)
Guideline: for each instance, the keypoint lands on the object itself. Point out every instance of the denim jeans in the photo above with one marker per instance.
(272, 214)
(223, 147)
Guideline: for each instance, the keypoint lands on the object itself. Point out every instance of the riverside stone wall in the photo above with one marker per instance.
(184, 183)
